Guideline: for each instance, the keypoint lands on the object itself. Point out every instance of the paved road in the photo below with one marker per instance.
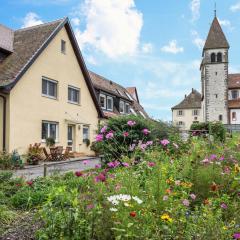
(61, 167)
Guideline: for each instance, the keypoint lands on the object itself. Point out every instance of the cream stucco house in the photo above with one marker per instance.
(45, 89)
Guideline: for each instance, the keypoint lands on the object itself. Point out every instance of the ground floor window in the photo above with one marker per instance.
(234, 116)
(85, 133)
(50, 130)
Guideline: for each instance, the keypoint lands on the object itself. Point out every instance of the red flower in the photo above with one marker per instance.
(29, 183)
(214, 187)
(133, 214)
(78, 173)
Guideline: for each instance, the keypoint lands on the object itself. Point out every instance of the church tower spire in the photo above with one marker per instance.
(214, 75)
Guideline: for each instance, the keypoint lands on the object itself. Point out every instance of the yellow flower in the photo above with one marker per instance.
(236, 168)
(166, 217)
(225, 228)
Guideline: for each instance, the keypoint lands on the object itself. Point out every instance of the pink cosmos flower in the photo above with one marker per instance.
(99, 138)
(113, 164)
(109, 135)
(85, 162)
(90, 206)
(164, 142)
(224, 206)
(125, 164)
(236, 235)
(213, 157)
(205, 161)
(125, 134)
(193, 196)
(29, 183)
(131, 123)
(104, 129)
(186, 203)
(151, 164)
(143, 146)
(145, 131)
(221, 158)
(78, 173)
(149, 143)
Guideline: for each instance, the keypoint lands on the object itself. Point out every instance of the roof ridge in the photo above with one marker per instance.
(41, 25)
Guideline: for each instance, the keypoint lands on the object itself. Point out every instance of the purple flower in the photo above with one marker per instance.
(145, 131)
(224, 206)
(100, 178)
(132, 147)
(99, 138)
(125, 134)
(85, 162)
(98, 166)
(193, 196)
(164, 142)
(213, 157)
(221, 158)
(125, 164)
(236, 235)
(131, 123)
(186, 203)
(104, 129)
(143, 146)
(149, 143)
(109, 135)
(113, 164)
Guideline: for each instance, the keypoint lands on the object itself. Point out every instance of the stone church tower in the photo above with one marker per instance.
(214, 75)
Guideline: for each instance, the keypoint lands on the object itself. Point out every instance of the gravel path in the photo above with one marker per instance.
(32, 172)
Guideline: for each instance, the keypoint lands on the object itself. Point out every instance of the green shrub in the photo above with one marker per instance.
(10, 160)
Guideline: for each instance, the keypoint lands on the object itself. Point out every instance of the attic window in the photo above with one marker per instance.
(63, 46)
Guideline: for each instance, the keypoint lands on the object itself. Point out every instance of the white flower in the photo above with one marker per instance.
(113, 209)
(138, 200)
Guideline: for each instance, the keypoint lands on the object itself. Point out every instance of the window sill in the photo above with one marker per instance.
(74, 103)
(50, 97)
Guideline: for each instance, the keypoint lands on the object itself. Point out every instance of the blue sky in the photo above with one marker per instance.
(154, 45)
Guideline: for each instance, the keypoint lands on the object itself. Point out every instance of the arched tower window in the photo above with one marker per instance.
(219, 57)
(213, 57)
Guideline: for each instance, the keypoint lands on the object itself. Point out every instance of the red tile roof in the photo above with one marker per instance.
(234, 81)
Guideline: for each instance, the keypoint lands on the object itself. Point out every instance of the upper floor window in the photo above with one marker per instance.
(219, 57)
(213, 57)
(127, 108)
(180, 113)
(195, 112)
(73, 95)
(49, 130)
(121, 107)
(109, 103)
(102, 100)
(49, 88)
(234, 116)
(63, 46)
(234, 94)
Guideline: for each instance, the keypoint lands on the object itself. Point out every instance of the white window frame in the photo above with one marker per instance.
(109, 98)
(178, 113)
(123, 107)
(127, 104)
(48, 130)
(195, 111)
(47, 94)
(105, 100)
(75, 89)
(88, 137)
(232, 94)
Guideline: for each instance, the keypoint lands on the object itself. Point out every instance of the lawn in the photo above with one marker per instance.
(161, 189)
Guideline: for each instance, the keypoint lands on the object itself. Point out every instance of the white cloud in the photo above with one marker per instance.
(226, 23)
(91, 60)
(31, 19)
(112, 27)
(198, 41)
(75, 21)
(235, 8)
(147, 48)
(172, 48)
(195, 9)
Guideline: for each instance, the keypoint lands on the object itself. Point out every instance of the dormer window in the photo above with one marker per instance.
(121, 107)
(219, 57)
(127, 108)
(63, 46)
(109, 103)
(102, 100)
(213, 57)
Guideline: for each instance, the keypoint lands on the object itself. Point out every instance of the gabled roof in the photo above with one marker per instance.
(28, 44)
(133, 92)
(6, 39)
(193, 100)
(216, 37)
(234, 80)
(117, 90)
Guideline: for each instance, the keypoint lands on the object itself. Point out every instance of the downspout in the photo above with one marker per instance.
(4, 121)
